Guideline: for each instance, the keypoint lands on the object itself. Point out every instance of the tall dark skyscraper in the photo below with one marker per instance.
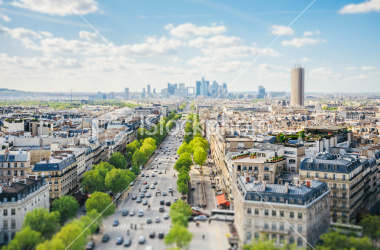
(126, 93)
(148, 88)
(198, 86)
(261, 92)
(172, 88)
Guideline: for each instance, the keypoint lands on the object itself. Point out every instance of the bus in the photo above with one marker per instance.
(347, 229)
(222, 215)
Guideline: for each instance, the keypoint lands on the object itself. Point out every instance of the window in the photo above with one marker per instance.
(344, 186)
(5, 212)
(274, 213)
(256, 235)
(308, 174)
(291, 227)
(249, 211)
(250, 168)
(266, 177)
(256, 211)
(291, 240)
(299, 242)
(274, 238)
(266, 212)
(325, 176)
(13, 211)
(343, 205)
(317, 175)
(292, 161)
(344, 177)
(266, 225)
(281, 239)
(244, 168)
(334, 176)
(257, 223)
(249, 235)
(291, 214)
(274, 225)
(13, 224)
(299, 215)
(282, 213)
(249, 223)
(5, 224)
(256, 169)
(299, 228)
(281, 226)
(266, 168)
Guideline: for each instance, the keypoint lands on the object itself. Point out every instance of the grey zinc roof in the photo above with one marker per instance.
(13, 156)
(54, 164)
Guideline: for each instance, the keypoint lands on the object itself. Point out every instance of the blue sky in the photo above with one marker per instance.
(46, 46)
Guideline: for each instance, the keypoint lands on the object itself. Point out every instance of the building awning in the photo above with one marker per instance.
(221, 199)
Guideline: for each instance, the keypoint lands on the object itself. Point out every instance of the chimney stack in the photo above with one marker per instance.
(308, 183)
(286, 187)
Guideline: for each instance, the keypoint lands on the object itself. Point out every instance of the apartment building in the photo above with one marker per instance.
(60, 171)
(353, 181)
(14, 164)
(295, 214)
(16, 199)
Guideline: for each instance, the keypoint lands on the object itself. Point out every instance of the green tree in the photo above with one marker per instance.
(183, 161)
(183, 148)
(26, 239)
(200, 156)
(260, 245)
(371, 228)
(147, 150)
(92, 181)
(72, 235)
(118, 160)
(142, 133)
(335, 240)
(178, 235)
(180, 212)
(116, 181)
(149, 141)
(133, 146)
(187, 138)
(41, 220)
(67, 207)
(103, 168)
(198, 142)
(101, 202)
(183, 188)
(139, 159)
(135, 170)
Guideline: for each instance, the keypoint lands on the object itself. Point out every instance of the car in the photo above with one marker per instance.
(132, 213)
(157, 220)
(119, 240)
(168, 204)
(192, 188)
(152, 235)
(167, 157)
(147, 175)
(125, 213)
(115, 223)
(159, 162)
(141, 240)
(175, 199)
(145, 182)
(141, 213)
(145, 202)
(105, 238)
(142, 175)
(162, 202)
(153, 175)
(198, 182)
(139, 200)
(134, 197)
(161, 209)
(156, 159)
(201, 218)
(148, 196)
(170, 189)
(166, 216)
(90, 245)
(149, 221)
(160, 172)
(144, 190)
(164, 193)
(132, 183)
(142, 195)
(153, 187)
(161, 235)
(152, 168)
(127, 242)
(195, 208)
(155, 183)
(146, 186)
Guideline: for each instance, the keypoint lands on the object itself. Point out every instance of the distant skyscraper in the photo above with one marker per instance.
(198, 86)
(126, 93)
(261, 92)
(297, 87)
(143, 93)
(148, 87)
(172, 88)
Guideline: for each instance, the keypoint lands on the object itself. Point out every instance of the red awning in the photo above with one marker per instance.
(221, 199)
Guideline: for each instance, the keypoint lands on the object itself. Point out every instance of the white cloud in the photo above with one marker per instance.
(350, 68)
(282, 30)
(299, 42)
(310, 33)
(368, 68)
(59, 8)
(364, 7)
(5, 17)
(238, 51)
(217, 41)
(359, 77)
(189, 30)
(212, 64)
(324, 73)
(89, 36)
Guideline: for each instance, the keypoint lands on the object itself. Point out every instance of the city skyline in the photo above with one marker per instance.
(177, 45)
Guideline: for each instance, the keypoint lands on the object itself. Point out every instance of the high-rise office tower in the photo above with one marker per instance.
(143, 93)
(172, 88)
(261, 92)
(126, 93)
(148, 87)
(198, 86)
(298, 86)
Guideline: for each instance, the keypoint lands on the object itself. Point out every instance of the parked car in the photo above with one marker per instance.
(115, 223)
(153, 175)
(160, 172)
(201, 218)
(139, 200)
(145, 182)
(155, 183)
(141, 240)
(147, 175)
(164, 193)
(105, 238)
(152, 235)
(162, 202)
(153, 186)
(90, 245)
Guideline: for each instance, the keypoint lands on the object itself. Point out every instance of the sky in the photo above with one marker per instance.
(103, 45)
